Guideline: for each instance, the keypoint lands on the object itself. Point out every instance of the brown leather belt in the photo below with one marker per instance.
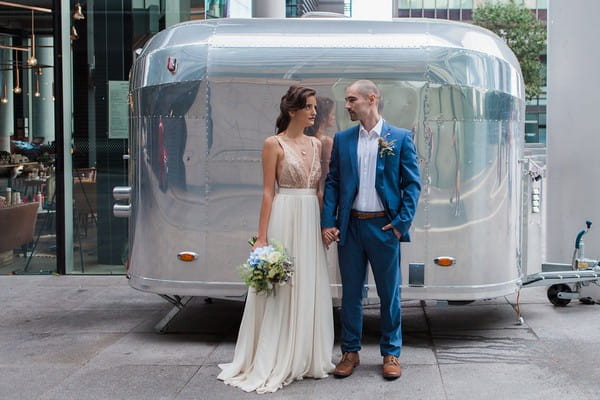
(367, 215)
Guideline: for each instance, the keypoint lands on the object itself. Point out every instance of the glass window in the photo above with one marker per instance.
(101, 127)
(454, 15)
(27, 144)
(542, 119)
(415, 4)
(291, 8)
(454, 4)
(429, 4)
(468, 4)
(531, 128)
(216, 8)
(542, 4)
(542, 135)
(348, 8)
(441, 4)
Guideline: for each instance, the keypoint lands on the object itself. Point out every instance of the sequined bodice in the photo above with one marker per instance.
(292, 172)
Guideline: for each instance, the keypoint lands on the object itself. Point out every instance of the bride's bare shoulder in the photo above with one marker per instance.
(271, 140)
(271, 143)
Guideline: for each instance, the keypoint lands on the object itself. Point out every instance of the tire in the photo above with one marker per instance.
(553, 294)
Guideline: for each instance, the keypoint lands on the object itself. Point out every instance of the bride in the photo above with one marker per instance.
(288, 336)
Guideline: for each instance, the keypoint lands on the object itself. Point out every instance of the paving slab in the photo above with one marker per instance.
(27, 382)
(121, 298)
(123, 382)
(505, 381)
(155, 349)
(54, 349)
(88, 337)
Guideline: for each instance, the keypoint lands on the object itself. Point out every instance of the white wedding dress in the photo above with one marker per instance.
(289, 336)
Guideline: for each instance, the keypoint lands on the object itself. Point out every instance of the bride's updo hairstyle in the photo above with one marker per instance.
(294, 99)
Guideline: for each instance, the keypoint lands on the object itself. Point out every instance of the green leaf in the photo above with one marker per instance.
(524, 35)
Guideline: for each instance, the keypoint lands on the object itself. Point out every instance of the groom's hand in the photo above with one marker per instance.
(330, 235)
(390, 226)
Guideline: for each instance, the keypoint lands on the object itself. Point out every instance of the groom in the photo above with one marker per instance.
(370, 198)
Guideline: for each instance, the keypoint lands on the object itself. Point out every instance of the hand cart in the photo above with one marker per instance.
(566, 280)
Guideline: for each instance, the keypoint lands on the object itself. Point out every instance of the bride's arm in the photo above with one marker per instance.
(269, 164)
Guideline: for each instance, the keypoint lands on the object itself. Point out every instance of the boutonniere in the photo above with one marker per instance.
(386, 147)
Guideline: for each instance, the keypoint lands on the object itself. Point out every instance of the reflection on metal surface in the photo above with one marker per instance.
(172, 64)
(122, 210)
(122, 192)
(197, 135)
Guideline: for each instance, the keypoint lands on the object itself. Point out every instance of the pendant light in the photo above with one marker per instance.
(32, 60)
(4, 98)
(37, 85)
(17, 89)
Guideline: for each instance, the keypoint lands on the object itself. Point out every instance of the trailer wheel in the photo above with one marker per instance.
(553, 294)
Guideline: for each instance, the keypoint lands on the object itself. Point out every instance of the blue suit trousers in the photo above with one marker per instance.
(366, 242)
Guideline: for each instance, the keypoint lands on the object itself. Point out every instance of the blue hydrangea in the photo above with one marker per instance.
(258, 254)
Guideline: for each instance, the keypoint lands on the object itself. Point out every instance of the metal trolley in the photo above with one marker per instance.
(567, 280)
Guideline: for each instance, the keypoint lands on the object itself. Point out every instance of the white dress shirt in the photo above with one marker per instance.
(367, 198)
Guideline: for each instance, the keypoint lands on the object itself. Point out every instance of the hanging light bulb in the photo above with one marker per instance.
(53, 98)
(37, 86)
(17, 89)
(4, 99)
(78, 13)
(32, 60)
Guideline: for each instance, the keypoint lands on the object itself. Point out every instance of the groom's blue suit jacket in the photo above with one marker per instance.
(397, 182)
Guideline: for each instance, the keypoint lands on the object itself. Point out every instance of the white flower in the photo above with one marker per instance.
(273, 257)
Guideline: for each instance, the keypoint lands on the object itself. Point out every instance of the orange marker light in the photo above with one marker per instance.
(445, 261)
(187, 256)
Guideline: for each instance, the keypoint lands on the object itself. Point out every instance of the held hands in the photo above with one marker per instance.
(390, 226)
(330, 235)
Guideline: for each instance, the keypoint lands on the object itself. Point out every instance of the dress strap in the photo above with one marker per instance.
(312, 164)
(281, 143)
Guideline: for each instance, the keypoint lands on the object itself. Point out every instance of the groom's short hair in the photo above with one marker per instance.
(366, 87)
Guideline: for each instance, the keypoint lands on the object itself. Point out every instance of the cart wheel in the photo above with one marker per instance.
(553, 294)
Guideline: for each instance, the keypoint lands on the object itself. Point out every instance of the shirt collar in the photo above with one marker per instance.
(375, 131)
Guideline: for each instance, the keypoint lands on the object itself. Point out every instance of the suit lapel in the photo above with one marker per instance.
(353, 152)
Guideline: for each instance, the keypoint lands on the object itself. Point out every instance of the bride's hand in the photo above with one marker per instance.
(259, 243)
(329, 236)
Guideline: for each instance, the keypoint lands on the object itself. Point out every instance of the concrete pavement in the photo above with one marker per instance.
(86, 337)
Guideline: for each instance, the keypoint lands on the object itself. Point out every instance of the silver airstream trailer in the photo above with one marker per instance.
(205, 95)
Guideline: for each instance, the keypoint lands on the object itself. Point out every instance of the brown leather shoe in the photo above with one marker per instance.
(345, 367)
(391, 367)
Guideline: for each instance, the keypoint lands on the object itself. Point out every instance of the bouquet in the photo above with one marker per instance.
(267, 267)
